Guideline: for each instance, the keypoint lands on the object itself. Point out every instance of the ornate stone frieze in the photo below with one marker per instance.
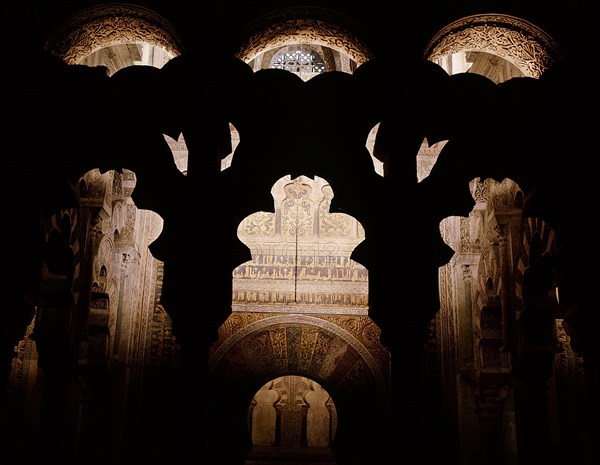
(119, 216)
(479, 190)
(489, 271)
(465, 234)
(364, 330)
(503, 194)
(291, 338)
(514, 39)
(301, 254)
(106, 25)
(96, 184)
(117, 184)
(103, 264)
(127, 233)
(292, 27)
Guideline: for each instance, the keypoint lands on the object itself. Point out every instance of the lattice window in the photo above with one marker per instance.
(299, 60)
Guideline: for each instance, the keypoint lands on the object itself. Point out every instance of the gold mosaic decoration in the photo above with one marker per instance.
(311, 345)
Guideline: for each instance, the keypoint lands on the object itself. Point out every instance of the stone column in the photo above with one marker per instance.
(56, 430)
(506, 297)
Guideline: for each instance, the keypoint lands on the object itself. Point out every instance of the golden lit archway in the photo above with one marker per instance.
(292, 415)
(521, 43)
(105, 26)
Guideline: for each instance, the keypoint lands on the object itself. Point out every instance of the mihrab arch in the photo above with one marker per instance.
(343, 354)
(355, 339)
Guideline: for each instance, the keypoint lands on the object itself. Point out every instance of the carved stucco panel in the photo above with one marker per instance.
(448, 308)
(287, 31)
(367, 332)
(503, 193)
(479, 190)
(117, 184)
(119, 216)
(127, 234)
(518, 41)
(489, 268)
(96, 184)
(465, 234)
(301, 254)
(461, 233)
(318, 343)
(103, 26)
(103, 264)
